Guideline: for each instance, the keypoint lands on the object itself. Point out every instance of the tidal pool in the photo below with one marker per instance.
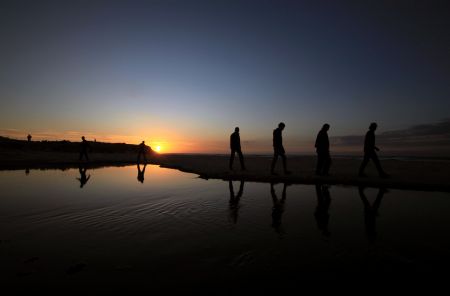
(165, 227)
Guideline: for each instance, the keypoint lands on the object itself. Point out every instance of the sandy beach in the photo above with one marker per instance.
(404, 174)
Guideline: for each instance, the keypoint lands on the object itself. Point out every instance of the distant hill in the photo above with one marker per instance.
(64, 146)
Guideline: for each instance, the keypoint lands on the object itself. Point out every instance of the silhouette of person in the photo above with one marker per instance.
(234, 200)
(371, 211)
(235, 146)
(141, 174)
(83, 179)
(278, 149)
(323, 205)
(29, 138)
(278, 208)
(84, 146)
(143, 149)
(27, 171)
(323, 151)
(369, 152)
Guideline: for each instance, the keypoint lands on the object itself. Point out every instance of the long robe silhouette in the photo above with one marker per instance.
(323, 151)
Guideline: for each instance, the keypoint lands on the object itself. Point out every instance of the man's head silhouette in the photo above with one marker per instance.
(281, 125)
(82, 138)
(373, 126)
(326, 127)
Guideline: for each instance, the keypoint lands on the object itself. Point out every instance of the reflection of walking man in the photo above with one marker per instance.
(369, 152)
(84, 147)
(323, 151)
(234, 200)
(323, 205)
(142, 151)
(278, 208)
(235, 146)
(278, 149)
(141, 174)
(371, 211)
(83, 179)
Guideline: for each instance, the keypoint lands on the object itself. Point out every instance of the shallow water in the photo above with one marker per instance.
(176, 228)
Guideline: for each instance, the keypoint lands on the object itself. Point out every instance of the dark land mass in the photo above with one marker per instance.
(417, 174)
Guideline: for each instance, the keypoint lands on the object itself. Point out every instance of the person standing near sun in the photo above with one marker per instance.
(143, 149)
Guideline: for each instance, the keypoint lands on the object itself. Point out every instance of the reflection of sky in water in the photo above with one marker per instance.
(174, 216)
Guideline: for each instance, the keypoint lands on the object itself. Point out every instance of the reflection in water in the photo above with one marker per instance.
(83, 179)
(234, 201)
(116, 221)
(141, 173)
(278, 208)
(371, 212)
(323, 205)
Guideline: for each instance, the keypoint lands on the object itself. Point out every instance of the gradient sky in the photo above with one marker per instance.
(182, 74)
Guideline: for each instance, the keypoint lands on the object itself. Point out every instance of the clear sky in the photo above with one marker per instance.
(182, 74)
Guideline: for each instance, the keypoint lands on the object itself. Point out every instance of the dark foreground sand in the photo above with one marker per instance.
(405, 174)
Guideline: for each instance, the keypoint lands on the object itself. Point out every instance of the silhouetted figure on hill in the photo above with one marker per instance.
(84, 146)
(278, 208)
(143, 150)
(235, 146)
(371, 212)
(278, 149)
(323, 205)
(29, 138)
(234, 200)
(83, 179)
(27, 171)
(141, 173)
(323, 151)
(370, 152)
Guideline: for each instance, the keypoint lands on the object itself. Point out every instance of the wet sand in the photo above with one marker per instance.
(431, 175)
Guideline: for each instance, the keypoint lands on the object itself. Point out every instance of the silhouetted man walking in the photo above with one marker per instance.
(29, 138)
(323, 151)
(84, 147)
(278, 149)
(369, 152)
(142, 151)
(235, 146)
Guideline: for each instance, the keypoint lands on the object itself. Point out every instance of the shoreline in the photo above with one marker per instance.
(426, 175)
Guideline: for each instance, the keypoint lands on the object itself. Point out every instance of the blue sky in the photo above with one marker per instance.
(188, 72)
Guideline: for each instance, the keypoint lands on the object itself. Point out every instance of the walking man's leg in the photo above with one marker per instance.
(319, 164)
(283, 156)
(274, 162)
(363, 164)
(241, 159)
(375, 159)
(231, 159)
(327, 164)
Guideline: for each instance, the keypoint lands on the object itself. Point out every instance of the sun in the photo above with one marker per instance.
(158, 148)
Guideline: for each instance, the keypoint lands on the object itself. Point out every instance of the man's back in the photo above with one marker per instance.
(277, 138)
(235, 141)
(322, 143)
(369, 141)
